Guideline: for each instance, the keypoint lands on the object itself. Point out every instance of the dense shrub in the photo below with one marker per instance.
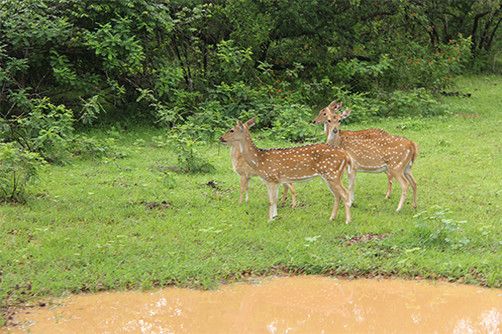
(46, 129)
(17, 168)
(417, 102)
(294, 123)
(169, 62)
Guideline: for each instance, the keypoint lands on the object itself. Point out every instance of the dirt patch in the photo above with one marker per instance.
(302, 304)
(365, 238)
(213, 184)
(156, 205)
(468, 116)
(457, 94)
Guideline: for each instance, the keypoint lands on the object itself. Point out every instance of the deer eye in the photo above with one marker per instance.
(324, 114)
(231, 130)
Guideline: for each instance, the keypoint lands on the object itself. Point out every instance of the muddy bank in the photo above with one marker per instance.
(303, 304)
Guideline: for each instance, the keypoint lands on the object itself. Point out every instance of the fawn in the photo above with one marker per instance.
(375, 153)
(286, 165)
(245, 171)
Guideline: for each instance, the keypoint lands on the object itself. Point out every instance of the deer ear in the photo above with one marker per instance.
(345, 114)
(240, 125)
(250, 122)
(333, 106)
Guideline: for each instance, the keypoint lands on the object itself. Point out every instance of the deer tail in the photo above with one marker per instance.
(414, 151)
(350, 164)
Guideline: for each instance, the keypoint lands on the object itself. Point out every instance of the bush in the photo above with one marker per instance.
(189, 159)
(92, 148)
(17, 168)
(416, 102)
(209, 121)
(422, 67)
(294, 123)
(47, 130)
(242, 101)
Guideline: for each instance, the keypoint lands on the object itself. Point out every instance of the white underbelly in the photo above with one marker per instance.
(297, 179)
(380, 169)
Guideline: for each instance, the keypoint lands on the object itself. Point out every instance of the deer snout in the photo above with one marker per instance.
(222, 139)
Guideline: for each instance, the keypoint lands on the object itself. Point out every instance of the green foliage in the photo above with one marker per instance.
(47, 129)
(210, 120)
(294, 123)
(233, 61)
(363, 75)
(419, 67)
(117, 46)
(169, 62)
(414, 103)
(17, 168)
(94, 148)
(436, 230)
(190, 160)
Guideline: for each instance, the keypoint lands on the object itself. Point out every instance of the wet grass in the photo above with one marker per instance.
(115, 224)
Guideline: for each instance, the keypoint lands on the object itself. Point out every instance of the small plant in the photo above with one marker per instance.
(88, 147)
(167, 179)
(189, 159)
(437, 230)
(17, 168)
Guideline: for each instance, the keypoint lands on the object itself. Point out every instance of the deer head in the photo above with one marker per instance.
(238, 132)
(333, 122)
(325, 112)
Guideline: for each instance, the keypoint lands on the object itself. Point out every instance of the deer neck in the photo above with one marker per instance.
(248, 150)
(334, 139)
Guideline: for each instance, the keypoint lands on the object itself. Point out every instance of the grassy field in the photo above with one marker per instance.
(96, 225)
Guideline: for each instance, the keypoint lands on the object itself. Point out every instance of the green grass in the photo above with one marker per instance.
(85, 227)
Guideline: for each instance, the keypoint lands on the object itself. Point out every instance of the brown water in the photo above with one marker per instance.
(304, 304)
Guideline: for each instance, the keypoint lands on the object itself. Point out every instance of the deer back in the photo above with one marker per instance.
(297, 163)
(379, 151)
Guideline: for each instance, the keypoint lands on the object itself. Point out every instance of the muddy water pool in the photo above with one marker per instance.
(302, 304)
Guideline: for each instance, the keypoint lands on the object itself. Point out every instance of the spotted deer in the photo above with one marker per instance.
(377, 153)
(330, 111)
(286, 165)
(245, 171)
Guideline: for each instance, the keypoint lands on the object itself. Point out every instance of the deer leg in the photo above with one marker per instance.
(291, 187)
(389, 186)
(284, 197)
(413, 184)
(244, 188)
(352, 184)
(338, 190)
(272, 189)
(346, 201)
(336, 204)
(404, 190)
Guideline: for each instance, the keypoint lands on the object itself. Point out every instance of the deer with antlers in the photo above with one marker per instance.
(373, 151)
(286, 165)
(245, 171)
